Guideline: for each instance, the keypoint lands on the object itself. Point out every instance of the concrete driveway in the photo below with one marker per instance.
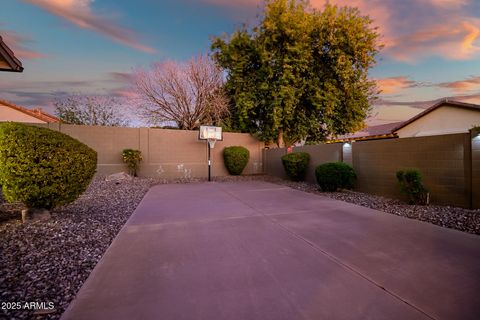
(255, 250)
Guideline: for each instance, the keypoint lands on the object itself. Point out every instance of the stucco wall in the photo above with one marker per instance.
(444, 120)
(168, 154)
(9, 114)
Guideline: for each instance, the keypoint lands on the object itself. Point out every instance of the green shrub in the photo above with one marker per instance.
(236, 159)
(296, 165)
(410, 181)
(43, 168)
(335, 175)
(132, 158)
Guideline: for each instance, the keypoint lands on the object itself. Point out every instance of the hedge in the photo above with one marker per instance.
(43, 168)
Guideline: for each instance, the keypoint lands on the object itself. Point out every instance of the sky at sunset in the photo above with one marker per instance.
(432, 47)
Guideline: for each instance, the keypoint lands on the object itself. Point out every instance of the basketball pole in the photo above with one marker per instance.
(209, 160)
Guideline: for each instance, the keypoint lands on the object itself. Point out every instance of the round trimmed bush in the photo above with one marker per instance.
(132, 158)
(411, 185)
(43, 168)
(296, 165)
(335, 175)
(236, 159)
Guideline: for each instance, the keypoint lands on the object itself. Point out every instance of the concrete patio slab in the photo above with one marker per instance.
(256, 250)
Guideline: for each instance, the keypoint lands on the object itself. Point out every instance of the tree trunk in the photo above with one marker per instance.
(280, 142)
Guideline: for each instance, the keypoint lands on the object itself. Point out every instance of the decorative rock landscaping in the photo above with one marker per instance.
(48, 261)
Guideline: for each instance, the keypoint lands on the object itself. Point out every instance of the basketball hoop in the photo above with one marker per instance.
(211, 143)
(211, 134)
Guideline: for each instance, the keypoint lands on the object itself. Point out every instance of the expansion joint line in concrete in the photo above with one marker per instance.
(329, 256)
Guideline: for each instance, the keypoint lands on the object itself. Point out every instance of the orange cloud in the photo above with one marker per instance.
(453, 40)
(462, 85)
(79, 13)
(17, 43)
(411, 29)
(394, 84)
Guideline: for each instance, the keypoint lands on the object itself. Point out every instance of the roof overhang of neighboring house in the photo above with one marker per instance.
(8, 61)
(364, 138)
(36, 113)
(441, 103)
(377, 132)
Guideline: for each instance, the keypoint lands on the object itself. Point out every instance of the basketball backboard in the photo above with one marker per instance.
(210, 133)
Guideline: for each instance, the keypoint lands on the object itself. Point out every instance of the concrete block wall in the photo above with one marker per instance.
(442, 160)
(450, 165)
(318, 154)
(169, 154)
(475, 138)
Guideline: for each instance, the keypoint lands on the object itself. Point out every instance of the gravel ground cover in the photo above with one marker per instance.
(49, 261)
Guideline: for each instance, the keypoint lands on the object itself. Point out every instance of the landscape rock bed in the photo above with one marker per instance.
(49, 261)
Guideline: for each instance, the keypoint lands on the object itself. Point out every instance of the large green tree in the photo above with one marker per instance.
(300, 73)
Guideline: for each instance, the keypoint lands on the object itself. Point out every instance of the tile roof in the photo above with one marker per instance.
(36, 113)
(370, 132)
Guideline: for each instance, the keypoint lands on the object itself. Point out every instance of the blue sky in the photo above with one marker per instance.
(432, 47)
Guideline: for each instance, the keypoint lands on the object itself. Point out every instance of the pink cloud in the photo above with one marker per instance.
(449, 3)
(79, 13)
(18, 44)
(394, 84)
(411, 29)
(469, 84)
(454, 40)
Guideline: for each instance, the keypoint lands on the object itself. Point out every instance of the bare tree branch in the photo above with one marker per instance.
(91, 110)
(188, 94)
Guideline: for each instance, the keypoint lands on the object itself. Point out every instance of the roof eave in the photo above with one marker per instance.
(9, 57)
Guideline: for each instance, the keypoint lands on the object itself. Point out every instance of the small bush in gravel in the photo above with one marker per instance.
(335, 175)
(43, 168)
(296, 165)
(410, 181)
(236, 159)
(132, 158)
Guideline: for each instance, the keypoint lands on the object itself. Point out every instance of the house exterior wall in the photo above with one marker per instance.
(9, 114)
(444, 120)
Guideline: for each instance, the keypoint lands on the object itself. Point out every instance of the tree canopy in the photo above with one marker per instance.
(91, 110)
(300, 73)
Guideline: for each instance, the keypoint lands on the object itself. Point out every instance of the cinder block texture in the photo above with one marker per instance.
(444, 162)
(319, 154)
(169, 154)
(450, 165)
(475, 136)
